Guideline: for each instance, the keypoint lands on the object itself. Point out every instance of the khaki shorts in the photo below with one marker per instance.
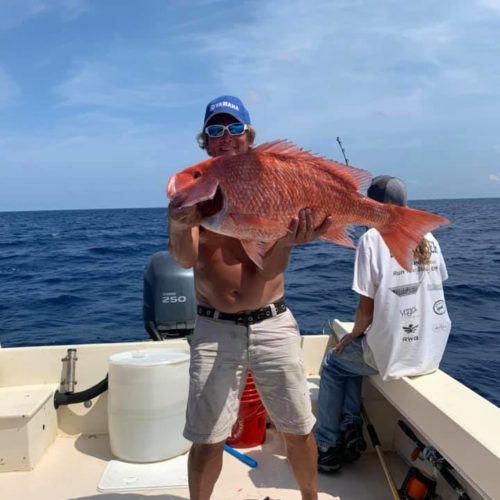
(222, 352)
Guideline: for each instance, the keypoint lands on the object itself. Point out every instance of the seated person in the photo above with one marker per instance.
(401, 328)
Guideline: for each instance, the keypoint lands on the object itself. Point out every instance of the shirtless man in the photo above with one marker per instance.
(243, 324)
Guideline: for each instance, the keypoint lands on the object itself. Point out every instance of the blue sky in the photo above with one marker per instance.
(100, 101)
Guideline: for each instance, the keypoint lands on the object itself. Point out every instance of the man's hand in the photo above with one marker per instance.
(183, 232)
(362, 320)
(346, 340)
(301, 229)
(183, 217)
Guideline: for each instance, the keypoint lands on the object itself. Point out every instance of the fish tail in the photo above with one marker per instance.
(404, 231)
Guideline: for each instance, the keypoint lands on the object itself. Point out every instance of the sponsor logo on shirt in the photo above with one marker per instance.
(439, 307)
(434, 286)
(418, 268)
(403, 290)
(432, 246)
(440, 327)
(408, 312)
(410, 339)
(408, 329)
(409, 333)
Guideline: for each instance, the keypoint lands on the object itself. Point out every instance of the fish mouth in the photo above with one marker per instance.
(190, 193)
(213, 206)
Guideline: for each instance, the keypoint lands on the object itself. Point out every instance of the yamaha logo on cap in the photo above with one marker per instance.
(229, 105)
(224, 104)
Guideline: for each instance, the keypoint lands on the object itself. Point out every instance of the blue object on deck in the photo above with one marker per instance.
(240, 456)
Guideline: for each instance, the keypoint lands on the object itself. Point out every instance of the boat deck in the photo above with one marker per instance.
(72, 468)
(444, 414)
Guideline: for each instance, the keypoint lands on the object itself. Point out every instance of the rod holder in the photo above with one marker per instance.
(68, 382)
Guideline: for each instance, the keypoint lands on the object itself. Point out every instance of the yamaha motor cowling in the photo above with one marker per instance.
(169, 307)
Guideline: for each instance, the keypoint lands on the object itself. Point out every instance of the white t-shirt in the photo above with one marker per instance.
(410, 324)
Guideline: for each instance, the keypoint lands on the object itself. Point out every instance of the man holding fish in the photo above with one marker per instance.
(243, 322)
(234, 218)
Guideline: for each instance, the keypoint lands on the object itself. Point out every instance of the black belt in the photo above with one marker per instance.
(245, 317)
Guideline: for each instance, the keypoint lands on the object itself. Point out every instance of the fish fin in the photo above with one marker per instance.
(405, 230)
(257, 221)
(256, 251)
(338, 235)
(356, 178)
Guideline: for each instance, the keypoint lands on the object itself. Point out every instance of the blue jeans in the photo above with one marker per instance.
(340, 393)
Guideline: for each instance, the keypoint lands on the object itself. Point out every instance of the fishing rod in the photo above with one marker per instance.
(436, 459)
(376, 444)
(343, 151)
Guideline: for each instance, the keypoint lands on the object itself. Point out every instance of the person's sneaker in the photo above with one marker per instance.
(353, 443)
(330, 460)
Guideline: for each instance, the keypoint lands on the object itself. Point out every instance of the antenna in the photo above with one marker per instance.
(343, 151)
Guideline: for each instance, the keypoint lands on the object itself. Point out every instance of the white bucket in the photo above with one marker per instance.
(147, 397)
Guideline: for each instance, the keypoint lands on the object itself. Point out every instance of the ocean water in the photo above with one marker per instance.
(70, 277)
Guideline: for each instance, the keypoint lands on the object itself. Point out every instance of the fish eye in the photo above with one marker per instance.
(196, 174)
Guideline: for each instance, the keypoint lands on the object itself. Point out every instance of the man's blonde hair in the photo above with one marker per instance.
(202, 138)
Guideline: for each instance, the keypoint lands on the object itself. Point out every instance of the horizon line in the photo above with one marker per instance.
(158, 207)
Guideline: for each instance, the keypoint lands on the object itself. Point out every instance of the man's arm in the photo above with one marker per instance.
(362, 320)
(184, 233)
(301, 230)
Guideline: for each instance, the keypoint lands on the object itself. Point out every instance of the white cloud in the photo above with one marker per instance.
(493, 5)
(334, 60)
(462, 82)
(101, 160)
(433, 39)
(323, 51)
(15, 12)
(102, 84)
(413, 89)
(9, 90)
(495, 177)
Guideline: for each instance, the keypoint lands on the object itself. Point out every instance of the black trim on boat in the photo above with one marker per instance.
(61, 398)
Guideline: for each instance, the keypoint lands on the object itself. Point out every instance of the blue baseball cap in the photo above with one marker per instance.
(227, 104)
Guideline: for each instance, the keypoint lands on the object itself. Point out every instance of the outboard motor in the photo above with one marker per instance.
(169, 306)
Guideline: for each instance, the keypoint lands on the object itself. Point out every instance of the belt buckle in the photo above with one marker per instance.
(243, 319)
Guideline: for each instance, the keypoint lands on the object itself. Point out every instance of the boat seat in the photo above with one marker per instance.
(28, 425)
